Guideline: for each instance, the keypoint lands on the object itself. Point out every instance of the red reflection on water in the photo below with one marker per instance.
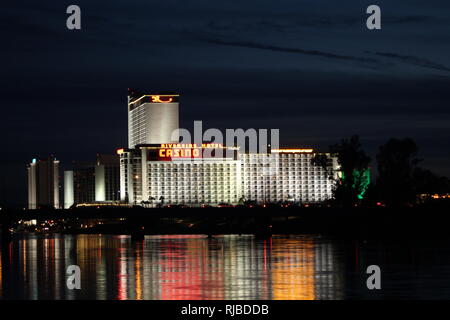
(122, 276)
(180, 275)
(187, 271)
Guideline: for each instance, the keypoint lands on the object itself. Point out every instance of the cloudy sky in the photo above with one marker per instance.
(308, 67)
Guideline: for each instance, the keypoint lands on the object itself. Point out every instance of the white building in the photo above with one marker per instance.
(177, 174)
(152, 118)
(69, 192)
(43, 183)
(286, 175)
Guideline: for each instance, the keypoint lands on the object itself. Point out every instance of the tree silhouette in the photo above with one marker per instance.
(426, 182)
(397, 164)
(353, 162)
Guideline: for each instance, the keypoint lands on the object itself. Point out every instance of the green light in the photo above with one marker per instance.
(361, 177)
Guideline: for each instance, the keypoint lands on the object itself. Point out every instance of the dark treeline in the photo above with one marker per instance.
(400, 181)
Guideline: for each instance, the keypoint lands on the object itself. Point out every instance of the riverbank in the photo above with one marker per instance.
(354, 222)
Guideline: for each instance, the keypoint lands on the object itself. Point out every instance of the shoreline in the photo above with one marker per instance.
(261, 222)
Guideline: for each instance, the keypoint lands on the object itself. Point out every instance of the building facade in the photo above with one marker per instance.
(43, 183)
(107, 178)
(177, 174)
(180, 174)
(79, 184)
(91, 182)
(152, 118)
(287, 175)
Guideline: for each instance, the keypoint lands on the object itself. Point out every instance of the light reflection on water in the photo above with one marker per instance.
(171, 268)
(186, 267)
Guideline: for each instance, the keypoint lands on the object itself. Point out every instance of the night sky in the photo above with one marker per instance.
(308, 67)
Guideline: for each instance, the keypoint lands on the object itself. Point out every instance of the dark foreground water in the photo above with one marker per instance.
(224, 267)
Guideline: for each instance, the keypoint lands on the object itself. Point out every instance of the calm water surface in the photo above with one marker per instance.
(224, 267)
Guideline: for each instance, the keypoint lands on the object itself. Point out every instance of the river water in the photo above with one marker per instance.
(232, 267)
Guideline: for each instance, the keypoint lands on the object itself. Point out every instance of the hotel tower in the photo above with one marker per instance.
(151, 118)
(43, 184)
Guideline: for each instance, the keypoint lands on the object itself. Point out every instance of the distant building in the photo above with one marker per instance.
(43, 183)
(107, 178)
(90, 182)
(69, 192)
(79, 184)
(151, 118)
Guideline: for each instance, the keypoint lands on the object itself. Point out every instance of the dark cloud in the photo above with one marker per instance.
(289, 50)
(414, 60)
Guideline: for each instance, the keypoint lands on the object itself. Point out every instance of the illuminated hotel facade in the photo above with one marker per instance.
(286, 175)
(182, 174)
(156, 170)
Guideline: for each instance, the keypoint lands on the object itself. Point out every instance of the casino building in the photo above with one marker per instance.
(180, 174)
(159, 171)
